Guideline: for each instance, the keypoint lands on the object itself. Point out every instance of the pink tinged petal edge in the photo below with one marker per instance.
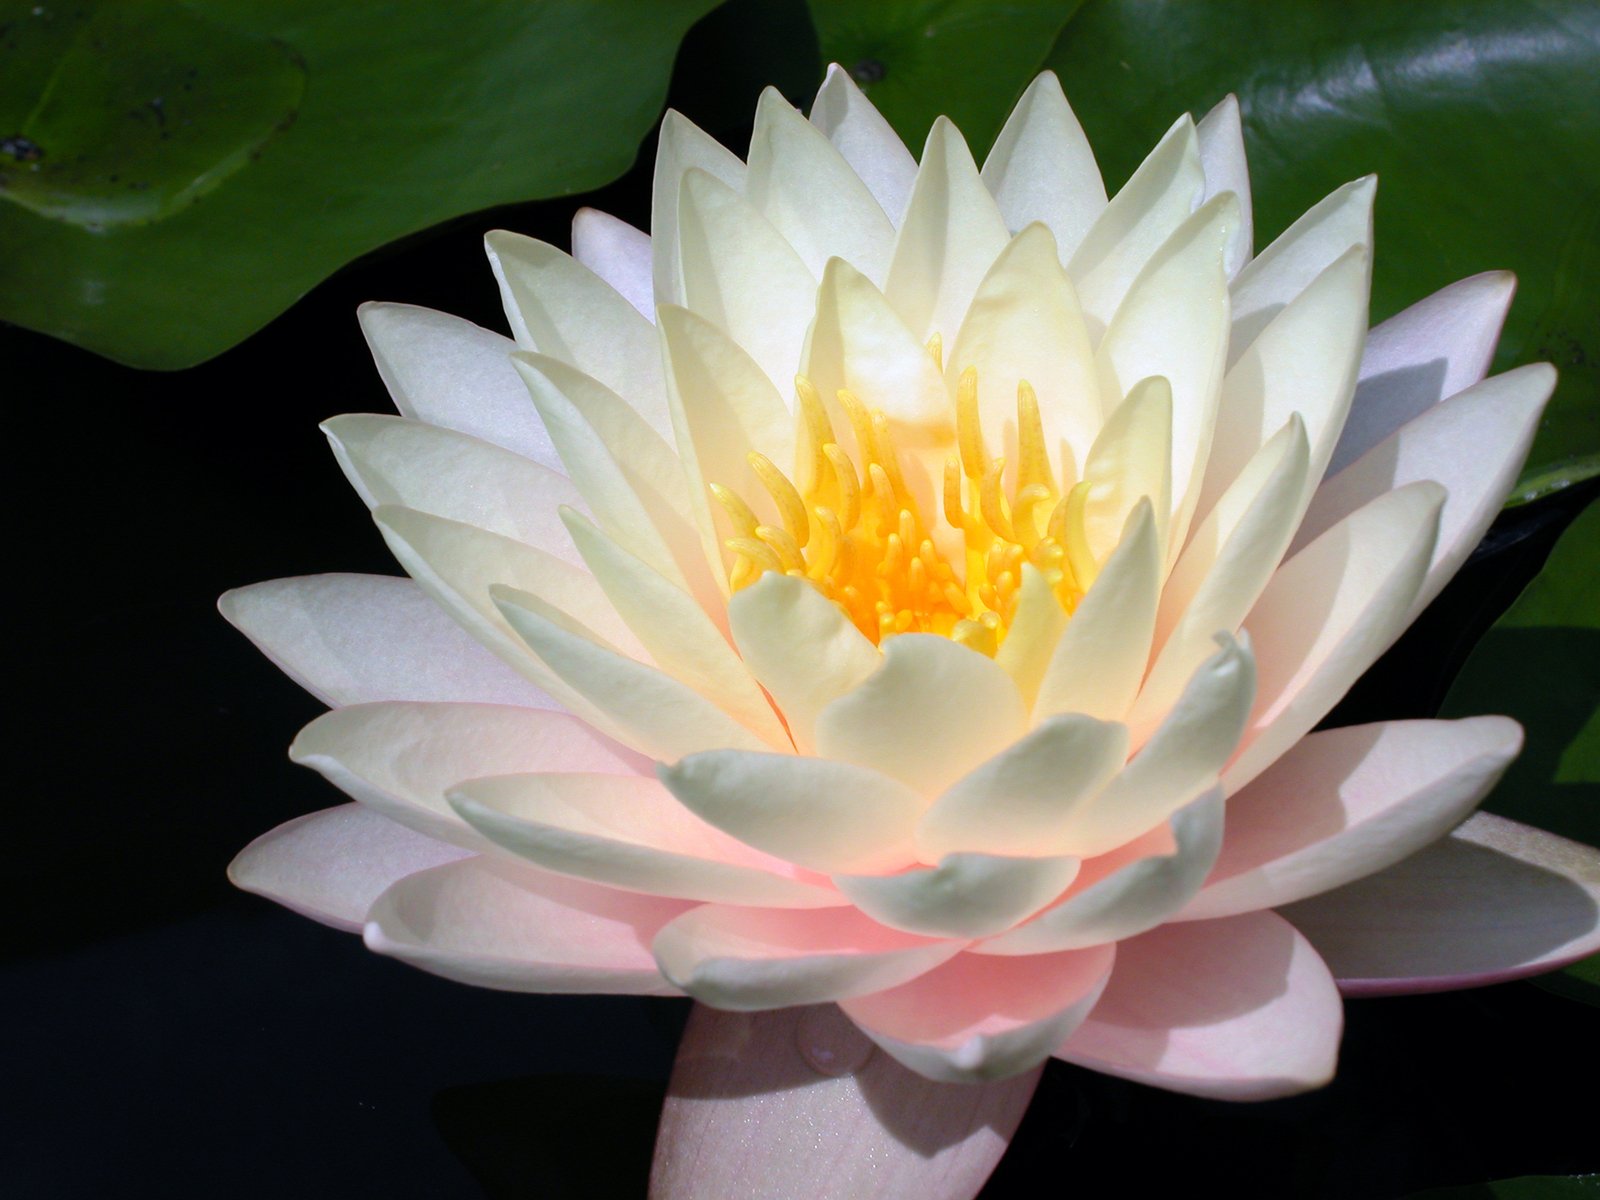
(1344, 803)
(747, 1108)
(1236, 1009)
(1496, 900)
(351, 639)
(331, 865)
(976, 1018)
(498, 925)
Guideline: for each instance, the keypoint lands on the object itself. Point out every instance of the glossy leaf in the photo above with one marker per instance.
(1482, 122)
(1526, 1187)
(921, 59)
(174, 176)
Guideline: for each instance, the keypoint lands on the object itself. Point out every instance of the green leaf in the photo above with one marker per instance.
(1528, 1187)
(299, 136)
(1481, 119)
(920, 59)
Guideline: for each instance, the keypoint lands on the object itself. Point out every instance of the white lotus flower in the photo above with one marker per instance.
(913, 588)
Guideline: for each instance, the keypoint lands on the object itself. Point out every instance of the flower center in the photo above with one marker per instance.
(855, 531)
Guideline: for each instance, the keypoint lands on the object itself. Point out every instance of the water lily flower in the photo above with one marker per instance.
(891, 604)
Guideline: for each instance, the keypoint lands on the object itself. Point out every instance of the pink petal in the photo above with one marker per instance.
(1495, 900)
(748, 1113)
(977, 1018)
(1236, 1009)
(331, 865)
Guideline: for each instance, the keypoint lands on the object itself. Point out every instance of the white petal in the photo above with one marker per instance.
(560, 308)
(1015, 802)
(800, 182)
(1439, 346)
(446, 371)
(1328, 613)
(1036, 628)
(618, 253)
(929, 714)
(1236, 1009)
(1286, 268)
(399, 758)
(1130, 460)
(350, 639)
(1042, 167)
(1157, 199)
(859, 132)
(390, 460)
(828, 816)
(1495, 900)
(1473, 443)
(1347, 802)
(1222, 155)
(976, 1019)
(740, 274)
(965, 896)
(648, 709)
(331, 865)
(951, 234)
(682, 145)
(1129, 891)
(627, 831)
(496, 925)
(753, 958)
(801, 647)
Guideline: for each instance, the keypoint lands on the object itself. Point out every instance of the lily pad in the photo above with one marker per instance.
(1526, 1187)
(1481, 120)
(308, 134)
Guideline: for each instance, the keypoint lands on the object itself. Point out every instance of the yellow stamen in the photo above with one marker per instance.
(790, 507)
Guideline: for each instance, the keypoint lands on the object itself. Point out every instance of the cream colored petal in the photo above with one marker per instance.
(1042, 167)
(500, 925)
(351, 639)
(801, 647)
(448, 372)
(1015, 803)
(1304, 362)
(399, 758)
(977, 1019)
(827, 816)
(799, 181)
(747, 959)
(618, 253)
(858, 342)
(1181, 759)
(867, 142)
(1100, 659)
(390, 460)
(1225, 567)
(951, 234)
(681, 145)
(1025, 325)
(929, 714)
(965, 896)
(1136, 223)
(1286, 268)
(1222, 155)
(1174, 323)
(331, 865)
(1036, 628)
(648, 709)
(628, 832)
(1328, 613)
(1130, 460)
(1125, 893)
(558, 307)
(675, 630)
(1439, 346)
(1474, 444)
(740, 274)
(1344, 803)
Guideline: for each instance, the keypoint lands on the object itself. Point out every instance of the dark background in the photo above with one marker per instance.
(163, 1035)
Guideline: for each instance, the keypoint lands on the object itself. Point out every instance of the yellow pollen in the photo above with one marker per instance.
(849, 524)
